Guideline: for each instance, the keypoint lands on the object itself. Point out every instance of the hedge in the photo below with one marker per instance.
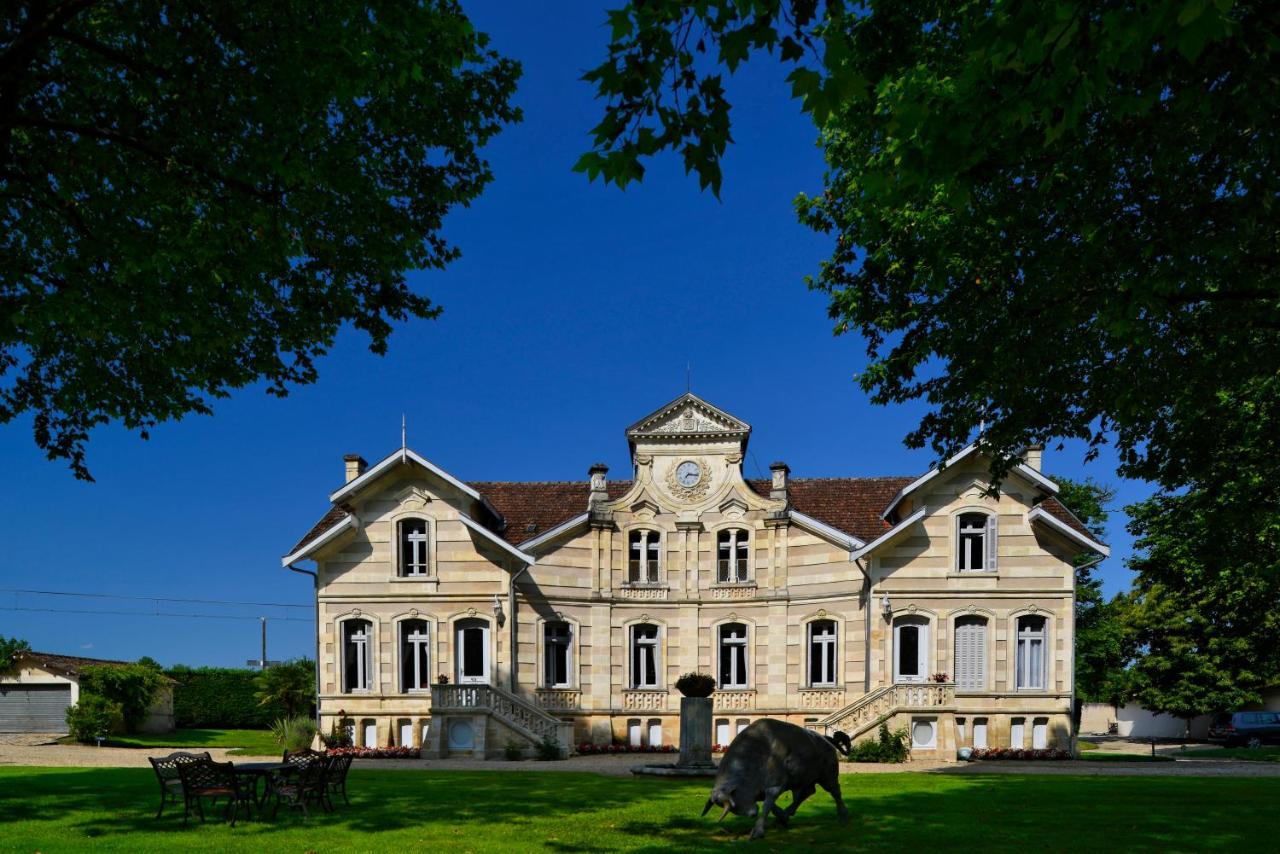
(219, 698)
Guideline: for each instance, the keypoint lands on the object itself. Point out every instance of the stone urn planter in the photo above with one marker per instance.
(695, 732)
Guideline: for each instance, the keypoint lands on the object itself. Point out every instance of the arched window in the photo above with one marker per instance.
(557, 640)
(734, 553)
(971, 653)
(822, 653)
(415, 664)
(413, 547)
(471, 650)
(975, 542)
(644, 656)
(1030, 656)
(645, 549)
(357, 655)
(733, 655)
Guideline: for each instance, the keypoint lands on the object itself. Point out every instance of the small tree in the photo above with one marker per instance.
(10, 648)
(290, 686)
(132, 686)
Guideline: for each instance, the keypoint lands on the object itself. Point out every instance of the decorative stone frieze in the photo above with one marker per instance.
(644, 701)
(734, 701)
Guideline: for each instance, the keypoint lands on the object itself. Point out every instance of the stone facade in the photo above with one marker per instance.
(833, 603)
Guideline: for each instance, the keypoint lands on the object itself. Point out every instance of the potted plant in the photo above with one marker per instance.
(940, 678)
(696, 685)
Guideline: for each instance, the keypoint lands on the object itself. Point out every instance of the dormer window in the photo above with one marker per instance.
(734, 550)
(645, 549)
(413, 547)
(975, 542)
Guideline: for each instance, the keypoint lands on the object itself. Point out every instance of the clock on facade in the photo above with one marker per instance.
(688, 473)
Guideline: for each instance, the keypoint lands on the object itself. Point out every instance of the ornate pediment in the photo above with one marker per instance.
(688, 417)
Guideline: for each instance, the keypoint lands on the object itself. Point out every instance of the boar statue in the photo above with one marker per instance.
(770, 757)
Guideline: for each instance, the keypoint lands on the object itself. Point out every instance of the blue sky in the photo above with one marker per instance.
(572, 313)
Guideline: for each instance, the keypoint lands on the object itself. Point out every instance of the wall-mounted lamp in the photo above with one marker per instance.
(886, 607)
(497, 611)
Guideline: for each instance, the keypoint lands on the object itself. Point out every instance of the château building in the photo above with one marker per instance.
(455, 616)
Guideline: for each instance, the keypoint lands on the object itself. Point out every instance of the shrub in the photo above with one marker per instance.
(290, 686)
(295, 733)
(220, 698)
(94, 716)
(886, 747)
(514, 751)
(375, 752)
(132, 686)
(339, 736)
(549, 750)
(696, 685)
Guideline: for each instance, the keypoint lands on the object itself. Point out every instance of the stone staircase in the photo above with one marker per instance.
(463, 719)
(866, 712)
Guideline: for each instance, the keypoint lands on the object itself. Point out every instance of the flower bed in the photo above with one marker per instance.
(998, 753)
(375, 752)
(588, 749)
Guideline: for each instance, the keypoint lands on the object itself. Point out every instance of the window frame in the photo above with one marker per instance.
(724, 644)
(405, 645)
(549, 645)
(987, 538)
(369, 659)
(1024, 657)
(735, 569)
(922, 623)
(983, 654)
(832, 648)
(634, 659)
(645, 570)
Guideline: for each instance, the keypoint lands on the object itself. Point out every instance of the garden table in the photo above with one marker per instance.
(256, 772)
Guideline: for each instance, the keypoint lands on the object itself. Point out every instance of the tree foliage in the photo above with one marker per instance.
(195, 197)
(1055, 220)
(9, 650)
(132, 686)
(290, 686)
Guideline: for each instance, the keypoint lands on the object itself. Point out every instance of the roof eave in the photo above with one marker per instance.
(890, 534)
(1039, 514)
(349, 521)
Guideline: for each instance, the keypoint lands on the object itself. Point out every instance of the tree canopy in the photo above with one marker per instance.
(195, 197)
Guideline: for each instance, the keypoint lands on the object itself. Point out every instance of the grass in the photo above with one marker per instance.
(248, 742)
(1260, 754)
(1086, 745)
(111, 809)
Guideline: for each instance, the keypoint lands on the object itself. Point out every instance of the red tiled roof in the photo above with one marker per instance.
(1055, 508)
(66, 663)
(849, 504)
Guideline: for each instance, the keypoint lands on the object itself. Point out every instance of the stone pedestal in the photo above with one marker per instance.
(695, 743)
(695, 731)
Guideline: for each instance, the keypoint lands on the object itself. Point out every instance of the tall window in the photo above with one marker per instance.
(357, 655)
(734, 556)
(413, 547)
(415, 667)
(911, 649)
(556, 641)
(733, 655)
(1030, 662)
(975, 542)
(971, 653)
(644, 656)
(822, 653)
(645, 548)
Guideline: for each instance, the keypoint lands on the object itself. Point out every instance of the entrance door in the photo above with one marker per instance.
(472, 652)
(910, 649)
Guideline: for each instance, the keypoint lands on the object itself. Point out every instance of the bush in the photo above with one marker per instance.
(696, 685)
(339, 736)
(887, 747)
(290, 686)
(94, 716)
(132, 686)
(220, 698)
(549, 750)
(295, 733)
(514, 751)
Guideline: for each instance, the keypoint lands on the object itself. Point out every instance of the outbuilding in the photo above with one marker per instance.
(35, 696)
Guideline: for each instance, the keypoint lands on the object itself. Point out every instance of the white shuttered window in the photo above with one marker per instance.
(971, 653)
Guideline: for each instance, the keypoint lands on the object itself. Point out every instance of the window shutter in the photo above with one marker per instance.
(989, 542)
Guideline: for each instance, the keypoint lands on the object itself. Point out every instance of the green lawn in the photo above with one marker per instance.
(1086, 745)
(88, 809)
(1261, 754)
(250, 742)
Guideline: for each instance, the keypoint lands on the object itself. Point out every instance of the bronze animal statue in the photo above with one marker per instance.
(771, 757)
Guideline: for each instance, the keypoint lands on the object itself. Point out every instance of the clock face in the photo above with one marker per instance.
(688, 473)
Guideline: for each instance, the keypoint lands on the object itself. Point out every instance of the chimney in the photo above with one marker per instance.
(355, 466)
(599, 485)
(778, 488)
(1034, 456)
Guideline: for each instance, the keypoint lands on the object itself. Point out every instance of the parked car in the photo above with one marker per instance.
(1250, 729)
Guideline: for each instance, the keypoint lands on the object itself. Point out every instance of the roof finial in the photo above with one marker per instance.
(688, 377)
(403, 432)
